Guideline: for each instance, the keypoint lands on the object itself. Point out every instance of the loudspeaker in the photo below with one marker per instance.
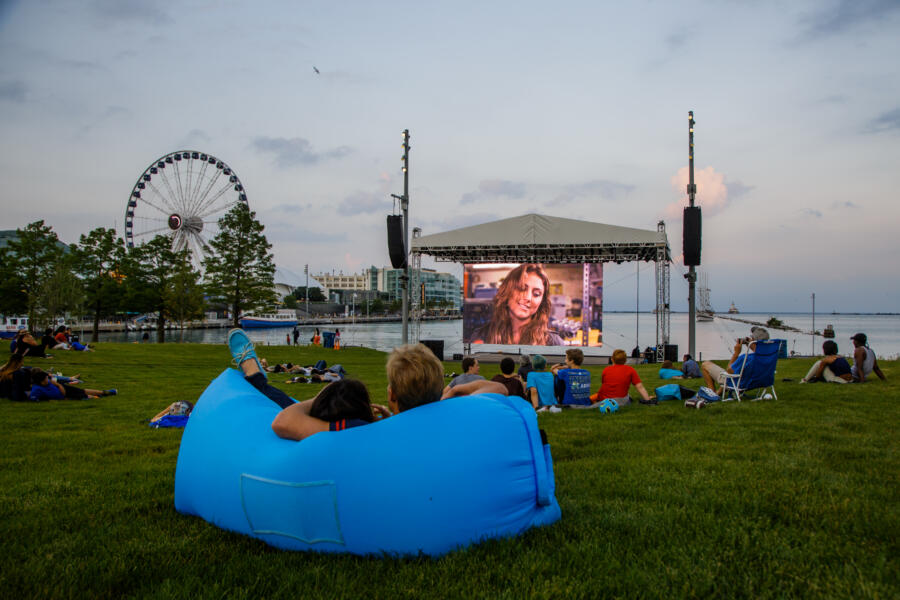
(691, 236)
(396, 245)
(670, 352)
(436, 346)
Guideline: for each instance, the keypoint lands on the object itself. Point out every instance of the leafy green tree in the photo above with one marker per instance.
(240, 272)
(13, 297)
(315, 294)
(150, 271)
(184, 294)
(33, 257)
(60, 293)
(377, 305)
(290, 301)
(98, 259)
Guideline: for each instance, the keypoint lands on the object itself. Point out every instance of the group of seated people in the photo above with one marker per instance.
(20, 382)
(563, 385)
(24, 343)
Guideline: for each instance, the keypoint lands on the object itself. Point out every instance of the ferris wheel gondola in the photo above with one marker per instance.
(182, 195)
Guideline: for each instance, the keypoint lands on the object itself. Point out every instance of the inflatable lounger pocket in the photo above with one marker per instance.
(429, 480)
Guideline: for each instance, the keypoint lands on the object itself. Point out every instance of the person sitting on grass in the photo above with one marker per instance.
(45, 387)
(668, 371)
(864, 361)
(26, 345)
(689, 368)
(470, 368)
(572, 383)
(540, 386)
(831, 368)
(617, 379)
(15, 379)
(714, 375)
(509, 378)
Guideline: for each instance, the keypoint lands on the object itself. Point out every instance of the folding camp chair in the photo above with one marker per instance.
(757, 371)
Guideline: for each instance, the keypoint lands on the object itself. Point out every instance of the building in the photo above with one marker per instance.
(439, 287)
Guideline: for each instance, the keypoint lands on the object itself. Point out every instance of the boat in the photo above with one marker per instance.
(732, 310)
(705, 312)
(11, 325)
(282, 318)
(829, 331)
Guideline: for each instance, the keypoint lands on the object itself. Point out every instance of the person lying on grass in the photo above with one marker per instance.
(616, 381)
(45, 387)
(415, 377)
(668, 371)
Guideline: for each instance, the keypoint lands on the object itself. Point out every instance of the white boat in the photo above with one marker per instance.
(704, 308)
(282, 318)
(11, 325)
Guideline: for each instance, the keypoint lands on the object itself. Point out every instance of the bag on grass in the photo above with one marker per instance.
(670, 391)
(708, 394)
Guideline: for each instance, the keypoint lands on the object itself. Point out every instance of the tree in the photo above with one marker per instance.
(61, 292)
(33, 257)
(315, 294)
(240, 272)
(98, 259)
(13, 298)
(184, 294)
(290, 301)
(150, 271)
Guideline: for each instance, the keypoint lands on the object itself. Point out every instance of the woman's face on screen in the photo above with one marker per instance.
(527, 297)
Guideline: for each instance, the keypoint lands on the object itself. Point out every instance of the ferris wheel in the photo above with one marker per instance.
(182, 195)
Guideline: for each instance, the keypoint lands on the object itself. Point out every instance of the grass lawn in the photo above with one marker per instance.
(786, 498)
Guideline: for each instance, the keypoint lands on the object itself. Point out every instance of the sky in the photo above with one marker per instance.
(571, 109)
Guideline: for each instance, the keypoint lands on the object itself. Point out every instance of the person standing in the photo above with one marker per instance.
(296, 334)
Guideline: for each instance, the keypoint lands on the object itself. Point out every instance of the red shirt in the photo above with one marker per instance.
(616, 381)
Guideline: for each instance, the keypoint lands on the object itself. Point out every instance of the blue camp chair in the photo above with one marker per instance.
(757, 371)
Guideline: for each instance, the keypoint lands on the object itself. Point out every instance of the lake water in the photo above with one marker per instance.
(714, 340)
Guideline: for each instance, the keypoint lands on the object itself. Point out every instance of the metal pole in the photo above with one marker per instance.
(692, 273)
(637, 308)
(404, 204)
(306, 270)
(814, 326)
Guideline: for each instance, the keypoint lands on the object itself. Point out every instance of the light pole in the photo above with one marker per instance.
(404, 205)
(691, 239)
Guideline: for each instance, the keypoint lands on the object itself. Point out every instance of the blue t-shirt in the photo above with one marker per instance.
(576, 386)
(690, 368)
(542, 381)
(840, 366)
(45, 392)
(670, 373)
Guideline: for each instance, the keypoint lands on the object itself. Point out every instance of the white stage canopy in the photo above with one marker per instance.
(543, 239)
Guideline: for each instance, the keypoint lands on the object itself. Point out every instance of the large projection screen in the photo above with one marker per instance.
(533, 304)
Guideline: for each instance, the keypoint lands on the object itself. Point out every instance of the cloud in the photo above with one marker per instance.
(811, 212)
(295, 151)
(109, 113)
(845, 204)
(13, 91)
(736, 189)
(597, 188)
(194, 138)
(712, 192)
(289, 207)
(889, 121)
(458, 221)
(844, 15)
(364, 202)
(140, 11)
(495, 188)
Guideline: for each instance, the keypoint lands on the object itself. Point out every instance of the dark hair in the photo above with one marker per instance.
(467, 363)
(507, 366)
(830, 348)
(344, 399)
(12, 365)
(667, 364)
(499, 329)
(38, 375)
(687, 357)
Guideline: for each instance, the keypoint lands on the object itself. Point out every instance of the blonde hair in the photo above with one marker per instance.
(575, 355)
(415, 376)
(12, 365)
(619, 357)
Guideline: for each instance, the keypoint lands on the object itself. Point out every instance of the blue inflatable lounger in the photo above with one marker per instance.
(429, 480)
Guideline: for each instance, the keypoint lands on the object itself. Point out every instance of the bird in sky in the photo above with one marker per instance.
(316, 70)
